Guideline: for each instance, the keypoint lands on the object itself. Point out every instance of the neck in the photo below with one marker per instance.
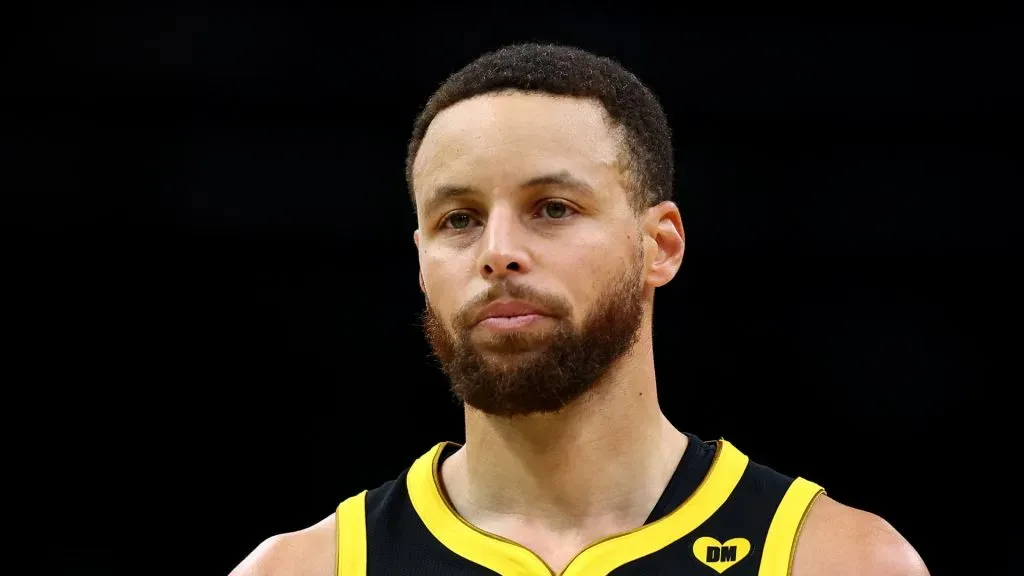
(604, 459)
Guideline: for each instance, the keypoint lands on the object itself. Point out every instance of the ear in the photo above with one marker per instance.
(664, 243)
(416, 241)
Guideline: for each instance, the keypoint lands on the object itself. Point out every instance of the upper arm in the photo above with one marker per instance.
(840, 540)
(265, 559)
(308, 552)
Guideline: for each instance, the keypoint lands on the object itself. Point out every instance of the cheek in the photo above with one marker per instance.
(586, 269)
(443, 281)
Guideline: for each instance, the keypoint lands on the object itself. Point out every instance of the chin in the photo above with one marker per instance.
(509, 358)
(515, 347)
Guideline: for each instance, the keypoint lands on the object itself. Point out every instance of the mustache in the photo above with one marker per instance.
(553, 304)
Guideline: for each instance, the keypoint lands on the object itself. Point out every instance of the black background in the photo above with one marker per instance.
(220, 336)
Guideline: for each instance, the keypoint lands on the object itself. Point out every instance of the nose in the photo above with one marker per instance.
(504, 251)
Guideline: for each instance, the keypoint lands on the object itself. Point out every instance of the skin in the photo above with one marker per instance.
(555, 482)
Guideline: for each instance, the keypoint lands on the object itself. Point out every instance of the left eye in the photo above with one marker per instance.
(555, 210)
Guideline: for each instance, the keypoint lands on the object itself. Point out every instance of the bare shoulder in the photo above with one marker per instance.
(840, 540)
(307, 552)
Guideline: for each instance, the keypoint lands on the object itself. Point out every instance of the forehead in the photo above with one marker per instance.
(494, 138)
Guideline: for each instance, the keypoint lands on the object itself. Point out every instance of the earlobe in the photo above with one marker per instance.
(416, 237)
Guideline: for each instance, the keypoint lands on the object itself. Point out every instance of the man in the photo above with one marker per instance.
(542, 180)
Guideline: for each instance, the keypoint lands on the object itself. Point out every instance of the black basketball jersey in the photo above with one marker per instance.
(719, 513)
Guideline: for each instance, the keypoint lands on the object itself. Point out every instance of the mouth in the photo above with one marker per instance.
(511, 323)
(504, 316)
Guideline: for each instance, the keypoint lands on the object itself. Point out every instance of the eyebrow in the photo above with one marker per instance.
(563, 178)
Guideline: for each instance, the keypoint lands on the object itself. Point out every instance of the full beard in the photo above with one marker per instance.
(525, 373)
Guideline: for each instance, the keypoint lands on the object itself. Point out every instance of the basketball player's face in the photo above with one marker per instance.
(533, 264)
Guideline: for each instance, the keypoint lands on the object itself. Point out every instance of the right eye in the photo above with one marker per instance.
(458, 221)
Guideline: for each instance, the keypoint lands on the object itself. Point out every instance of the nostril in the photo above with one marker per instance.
(513, 266)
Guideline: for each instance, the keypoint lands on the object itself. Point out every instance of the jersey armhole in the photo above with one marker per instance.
(350, 531)
(780, 544)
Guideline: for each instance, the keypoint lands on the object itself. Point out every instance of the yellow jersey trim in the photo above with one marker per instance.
(780, 544)
(511, 559)
(350, 526)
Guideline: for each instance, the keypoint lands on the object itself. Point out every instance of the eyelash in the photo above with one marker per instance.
(543, 205)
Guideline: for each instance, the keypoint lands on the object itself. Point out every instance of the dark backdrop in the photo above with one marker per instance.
(220, 281)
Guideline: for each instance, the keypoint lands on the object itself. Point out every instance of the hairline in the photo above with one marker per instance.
(625, 159)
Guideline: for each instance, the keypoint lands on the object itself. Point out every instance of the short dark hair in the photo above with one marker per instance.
(569, 71)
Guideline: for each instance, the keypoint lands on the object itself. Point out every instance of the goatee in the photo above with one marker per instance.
(528, 373)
